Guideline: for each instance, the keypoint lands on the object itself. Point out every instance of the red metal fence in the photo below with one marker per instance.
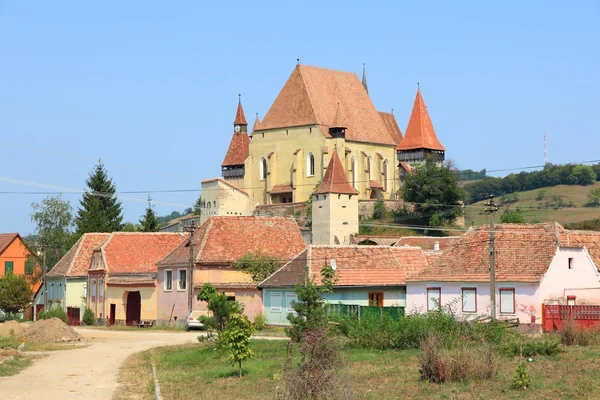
(555, 316)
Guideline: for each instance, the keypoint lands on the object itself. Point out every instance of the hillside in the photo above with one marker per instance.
(562, 203)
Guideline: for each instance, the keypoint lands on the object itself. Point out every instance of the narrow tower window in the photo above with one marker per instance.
(310, 165)
(263, 169)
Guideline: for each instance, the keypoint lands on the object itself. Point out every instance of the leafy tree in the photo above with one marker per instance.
(434, 190)
(99, 211)
(582, 175)
(258, 265)
(197, 206)
(594, 197)
(236, 338)
(221, 307)
(54, 228)
(149, 222)
(512, 217)
(15, 293)
(88, 317)
(309, 308)
(379, 209)
(129, 227)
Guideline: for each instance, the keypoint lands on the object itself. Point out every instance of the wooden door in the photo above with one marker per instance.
(376, 299)
(134, 308)
(113, 311)
(73, 313)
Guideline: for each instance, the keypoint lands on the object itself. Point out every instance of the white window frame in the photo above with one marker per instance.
(262, 169)
(165, 287)
(179, 288)
(513, 303)
(469, 289)
(276, 309)
(310, 165)
(434, 307)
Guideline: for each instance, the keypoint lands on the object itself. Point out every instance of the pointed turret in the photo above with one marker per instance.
(240, 118)
(420, 140)
(256, 125)
(335, 180)
(364, 79)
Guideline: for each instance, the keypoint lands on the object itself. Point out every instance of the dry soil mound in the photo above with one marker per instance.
(50, 330)
(14, 326)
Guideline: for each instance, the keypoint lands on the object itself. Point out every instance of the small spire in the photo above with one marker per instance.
(417, 86)
(298, 61)
(240, 118)
(239, 98)
(392, 111)
(364, 78)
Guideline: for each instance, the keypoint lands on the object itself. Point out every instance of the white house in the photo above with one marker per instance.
(536, 264)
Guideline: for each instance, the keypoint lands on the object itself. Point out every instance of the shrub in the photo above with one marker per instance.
(573, 335)
(236, 338)
(57, 312)
(88, 317)
(540, 195)
(594, 197)
(531, 347)
(208, 322)
(379, 210)
(521, 379)
(432, 365)
(260, 322)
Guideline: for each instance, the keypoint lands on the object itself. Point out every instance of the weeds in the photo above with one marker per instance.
(531, 347)
(573, 335)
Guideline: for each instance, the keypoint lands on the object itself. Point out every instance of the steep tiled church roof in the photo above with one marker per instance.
(335, 180)
(311, 96)
(240, 118)
(238, 150)
(420, 133)
(390, 122)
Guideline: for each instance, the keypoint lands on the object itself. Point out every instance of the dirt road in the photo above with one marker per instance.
(87, 373)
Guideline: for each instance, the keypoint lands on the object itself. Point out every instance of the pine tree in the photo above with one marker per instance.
(149, 221)
(99, 211)
(198, 206)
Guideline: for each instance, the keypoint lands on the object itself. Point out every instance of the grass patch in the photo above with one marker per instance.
(135, 378)
(11, 342)
(197, 371)
(14, 366)
(271, 331)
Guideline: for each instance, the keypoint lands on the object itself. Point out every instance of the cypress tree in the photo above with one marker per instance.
(99, 211)
(149, 222)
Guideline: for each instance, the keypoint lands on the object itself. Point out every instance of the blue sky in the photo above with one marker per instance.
(151, 88)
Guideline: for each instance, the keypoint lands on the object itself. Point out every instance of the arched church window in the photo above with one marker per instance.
(263, 169)
(310, 165)
(354, 171)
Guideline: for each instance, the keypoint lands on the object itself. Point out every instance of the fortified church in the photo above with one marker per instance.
(319, 113)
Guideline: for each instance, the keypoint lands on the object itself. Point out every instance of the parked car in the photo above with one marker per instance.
(192, 320)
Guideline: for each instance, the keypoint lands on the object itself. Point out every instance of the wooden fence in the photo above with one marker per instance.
(555, 316)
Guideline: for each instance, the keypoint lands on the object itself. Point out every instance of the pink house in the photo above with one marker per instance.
(218, 243)
(536, 264)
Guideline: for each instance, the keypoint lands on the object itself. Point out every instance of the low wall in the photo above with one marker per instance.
(295, 210)
(366, 207)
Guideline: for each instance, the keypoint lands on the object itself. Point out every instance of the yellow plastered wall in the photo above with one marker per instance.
(118, 295)
(290, 149)
(220, 275)
(221, 199)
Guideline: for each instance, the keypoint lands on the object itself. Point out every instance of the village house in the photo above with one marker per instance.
(366, 276)
(318, 111)
(17, 258)
(223, 198)
(122, 275)
(217, 244)
(536, 264)
(66, 282)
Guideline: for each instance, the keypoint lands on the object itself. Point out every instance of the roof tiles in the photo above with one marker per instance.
(6, 239)
(238, 150)
(77, 260)
(335, 180)
(420, 133)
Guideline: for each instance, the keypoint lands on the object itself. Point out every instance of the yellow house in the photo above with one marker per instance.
(318, 111)
(122, 275)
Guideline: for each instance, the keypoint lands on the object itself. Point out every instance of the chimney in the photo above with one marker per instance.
(436, 246)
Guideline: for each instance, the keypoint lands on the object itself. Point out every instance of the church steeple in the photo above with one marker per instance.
(240, 124)
(364, 78)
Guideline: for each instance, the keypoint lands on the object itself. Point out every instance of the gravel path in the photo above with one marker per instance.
(88, 373)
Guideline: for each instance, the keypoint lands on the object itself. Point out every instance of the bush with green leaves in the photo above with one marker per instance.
(258, 265)
(379, 210)
(521, 379)
(260, 322)
(88, 317)
(56, 312)
(218, 303)
(236, 339)
(531, 347)
(209, 323)
(15, 293)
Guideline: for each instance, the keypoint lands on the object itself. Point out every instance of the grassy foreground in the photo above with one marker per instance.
(197, 371)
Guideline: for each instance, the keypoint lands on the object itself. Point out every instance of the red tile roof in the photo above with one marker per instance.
(356, 266)
(427, 242)
(588, 239)
(390, 122)
(375, 185)
(523, 254)
(77, 260)
(223, 240)
(240, 118)
(256, 125)
(284, 188)
(335, 180)
(6, 239)
(311, 96)
(238, 150)
(137, 252)
(420, 133)
(406, 167)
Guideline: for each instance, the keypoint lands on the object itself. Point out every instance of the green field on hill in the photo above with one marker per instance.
(563, 204)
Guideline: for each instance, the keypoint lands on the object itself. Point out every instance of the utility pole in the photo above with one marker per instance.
(44, 276)
(191, 230)
(491, 209)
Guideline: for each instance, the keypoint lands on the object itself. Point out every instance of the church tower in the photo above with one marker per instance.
(334, 206)
(232, 167)
(420, 140)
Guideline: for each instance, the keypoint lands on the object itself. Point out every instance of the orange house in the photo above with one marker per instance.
(17, 258)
